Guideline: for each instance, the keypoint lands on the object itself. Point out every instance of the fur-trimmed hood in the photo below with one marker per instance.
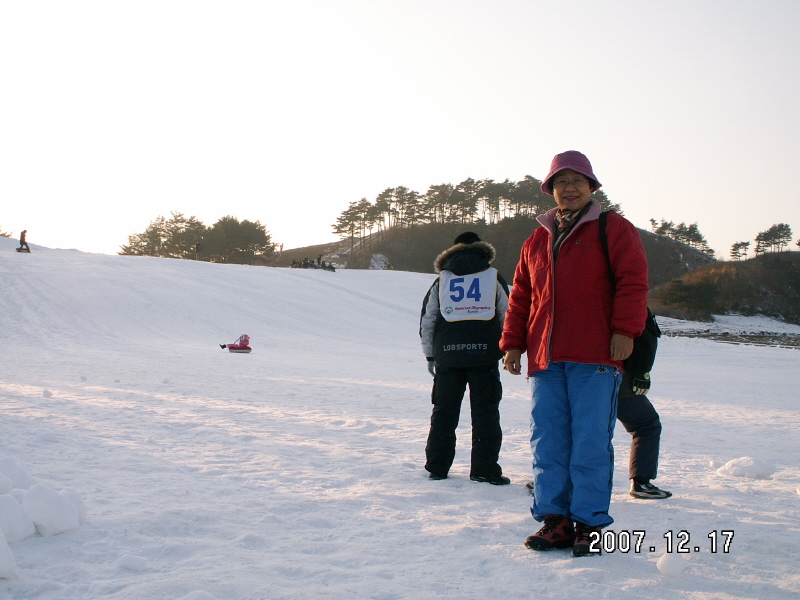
(463, 259)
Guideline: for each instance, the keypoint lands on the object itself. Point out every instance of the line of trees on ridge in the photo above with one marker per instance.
(488, 201)
(473, 201)
(686, 234)
(470, 201)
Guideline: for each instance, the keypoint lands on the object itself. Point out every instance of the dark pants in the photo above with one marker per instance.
(485, 392)
(640, 419)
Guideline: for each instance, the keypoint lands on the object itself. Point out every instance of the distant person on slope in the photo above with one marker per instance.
(22, 242)
(460, 326)
(240, 345)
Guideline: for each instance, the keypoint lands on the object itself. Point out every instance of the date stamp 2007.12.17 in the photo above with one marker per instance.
(681, 542)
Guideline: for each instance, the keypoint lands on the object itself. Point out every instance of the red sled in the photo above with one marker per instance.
(240, 346)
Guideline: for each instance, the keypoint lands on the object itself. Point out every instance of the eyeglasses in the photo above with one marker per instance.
(563, 182)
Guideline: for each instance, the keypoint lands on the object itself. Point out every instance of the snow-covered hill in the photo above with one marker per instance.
(296, 471)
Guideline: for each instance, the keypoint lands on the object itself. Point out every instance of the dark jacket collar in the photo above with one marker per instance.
(463, 259)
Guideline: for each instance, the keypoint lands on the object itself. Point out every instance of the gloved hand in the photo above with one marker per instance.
(641, 384)
(431, 367)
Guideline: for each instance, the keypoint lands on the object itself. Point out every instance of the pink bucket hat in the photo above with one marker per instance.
(571, 159)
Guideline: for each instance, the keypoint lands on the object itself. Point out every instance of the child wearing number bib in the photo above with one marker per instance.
(460, 328)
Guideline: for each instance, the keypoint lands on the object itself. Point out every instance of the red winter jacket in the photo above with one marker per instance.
(569, 312)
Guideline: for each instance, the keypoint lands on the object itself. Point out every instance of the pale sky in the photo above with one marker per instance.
(113, 113)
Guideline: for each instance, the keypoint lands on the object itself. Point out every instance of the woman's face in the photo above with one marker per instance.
(571, 189)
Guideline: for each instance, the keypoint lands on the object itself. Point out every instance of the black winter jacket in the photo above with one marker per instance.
(463, 343)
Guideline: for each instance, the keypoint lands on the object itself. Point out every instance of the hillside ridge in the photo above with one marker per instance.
(415, 248)
(684, 282)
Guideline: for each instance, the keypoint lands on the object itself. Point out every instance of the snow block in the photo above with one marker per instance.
(15, 523)
(50, 512)
(19, 477)
(75, 498)
(671, 564)
(747, 467)
(8, 566)
(132, 563)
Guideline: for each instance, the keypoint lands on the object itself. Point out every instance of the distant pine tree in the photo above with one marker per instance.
(605, 203)
(774, 239)
(239, 242)
(739, 250)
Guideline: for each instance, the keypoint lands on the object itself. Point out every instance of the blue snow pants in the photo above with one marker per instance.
(573, 411)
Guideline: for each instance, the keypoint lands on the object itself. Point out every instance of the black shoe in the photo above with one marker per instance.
(647, 491)
(494, 480)
(436, 476)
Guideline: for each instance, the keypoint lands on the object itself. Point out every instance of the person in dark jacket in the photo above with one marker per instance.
(640, 419)
(460, 327)
(23, 243)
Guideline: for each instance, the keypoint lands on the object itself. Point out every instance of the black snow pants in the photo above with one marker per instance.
(641, 420)
(485, 392)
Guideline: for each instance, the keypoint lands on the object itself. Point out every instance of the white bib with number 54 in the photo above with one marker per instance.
(468, 297)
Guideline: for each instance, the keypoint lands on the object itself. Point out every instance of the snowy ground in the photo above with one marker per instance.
(296, 471)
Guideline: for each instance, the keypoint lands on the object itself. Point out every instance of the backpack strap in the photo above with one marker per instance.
(604, 242)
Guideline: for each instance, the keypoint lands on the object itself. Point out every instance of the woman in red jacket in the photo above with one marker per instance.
(576, 330)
